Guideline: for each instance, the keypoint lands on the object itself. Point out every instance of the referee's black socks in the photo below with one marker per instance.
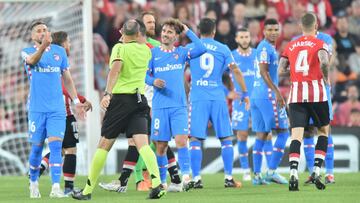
(131, 158)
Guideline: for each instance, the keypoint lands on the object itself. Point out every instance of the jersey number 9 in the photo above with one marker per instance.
(207, 64)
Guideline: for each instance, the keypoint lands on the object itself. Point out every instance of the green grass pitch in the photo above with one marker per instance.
(345, 190)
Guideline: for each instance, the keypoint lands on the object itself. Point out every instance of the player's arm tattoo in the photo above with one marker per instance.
(324, 63)
(238, 76)
(113, 75)
(283, 67)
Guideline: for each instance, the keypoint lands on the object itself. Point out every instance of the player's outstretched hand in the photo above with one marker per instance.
(104, 104)
(46, 41)
(80, 111)
(88, 106)
(279, 100)
(159, 83)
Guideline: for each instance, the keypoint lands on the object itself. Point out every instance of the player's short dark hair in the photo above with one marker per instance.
(59, 37)
(243, 29)
(270, 21)
(207, 26)
(36, 23)
(130, 27)
(308, 20)
(142, 28)
(174, 23)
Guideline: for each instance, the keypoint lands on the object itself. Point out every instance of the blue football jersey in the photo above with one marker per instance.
(45, 93)
(207, 71)
(247, 66)
(169, 66)
(265, 53)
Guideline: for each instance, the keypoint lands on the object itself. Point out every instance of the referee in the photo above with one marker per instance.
(126, 110)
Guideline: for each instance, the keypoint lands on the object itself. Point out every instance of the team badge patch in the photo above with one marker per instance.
(56, 57)
(263, 55)
(176, 56)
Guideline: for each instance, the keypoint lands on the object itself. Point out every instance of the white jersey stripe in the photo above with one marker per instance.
(324, 91)
(294, 92)
(305, 92)
(315, 84)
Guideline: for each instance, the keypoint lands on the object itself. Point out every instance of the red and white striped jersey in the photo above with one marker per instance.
(307, 80)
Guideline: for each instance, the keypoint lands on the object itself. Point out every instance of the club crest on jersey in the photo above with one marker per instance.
(176, 56)
(56, 57)
(263, 55)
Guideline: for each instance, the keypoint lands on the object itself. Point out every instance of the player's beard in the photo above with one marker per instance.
(243, 47)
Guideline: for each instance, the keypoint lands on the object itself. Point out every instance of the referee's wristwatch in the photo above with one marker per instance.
(108, 93)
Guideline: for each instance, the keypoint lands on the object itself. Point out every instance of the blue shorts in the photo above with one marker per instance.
(328, 94)
(169, 122)
(215, 111)
(240, 116)
(265, 115)
(46, 124)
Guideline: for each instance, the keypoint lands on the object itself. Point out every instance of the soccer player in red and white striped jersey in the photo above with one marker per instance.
(308, 60)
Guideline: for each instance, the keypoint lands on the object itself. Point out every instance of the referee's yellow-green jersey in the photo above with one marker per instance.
(135, 58)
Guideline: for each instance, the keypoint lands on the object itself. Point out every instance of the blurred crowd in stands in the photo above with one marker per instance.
(338, 18)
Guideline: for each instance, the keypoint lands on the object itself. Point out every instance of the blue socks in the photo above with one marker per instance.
(196, 157)
(268, 148)
(309, 149)
(243, 154)
(35, 161)
(184, 160)
(55, 160)
(163, 166)
(227, 153)
(257, 155)
(278, 152)
(329, 158)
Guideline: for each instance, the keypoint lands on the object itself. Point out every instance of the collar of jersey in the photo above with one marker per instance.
(241, 54)
(37, 48)
(167, 50)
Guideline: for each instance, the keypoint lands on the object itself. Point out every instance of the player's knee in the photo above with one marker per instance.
(71, 150)
(131, 142)
(105, 143)
(242, 135)
(263, 135)
(323, 131)
(181, 141)
(161, 147)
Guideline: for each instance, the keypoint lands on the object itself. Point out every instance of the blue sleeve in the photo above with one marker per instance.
(149, 79)
(263, 55)
(65, 61)
(229, 59)
(199, 47)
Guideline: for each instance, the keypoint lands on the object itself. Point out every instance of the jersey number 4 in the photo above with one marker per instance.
(301, 64)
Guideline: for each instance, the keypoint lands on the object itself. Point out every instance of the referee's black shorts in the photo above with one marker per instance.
(125, 115)
(300, 114)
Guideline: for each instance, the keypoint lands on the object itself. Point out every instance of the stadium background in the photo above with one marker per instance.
(93, 28)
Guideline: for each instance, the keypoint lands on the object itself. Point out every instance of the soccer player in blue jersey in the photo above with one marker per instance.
(45, 64)
(244, 57)
(207, 101)
(309, 145)
(265, 113)
(169, 110)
